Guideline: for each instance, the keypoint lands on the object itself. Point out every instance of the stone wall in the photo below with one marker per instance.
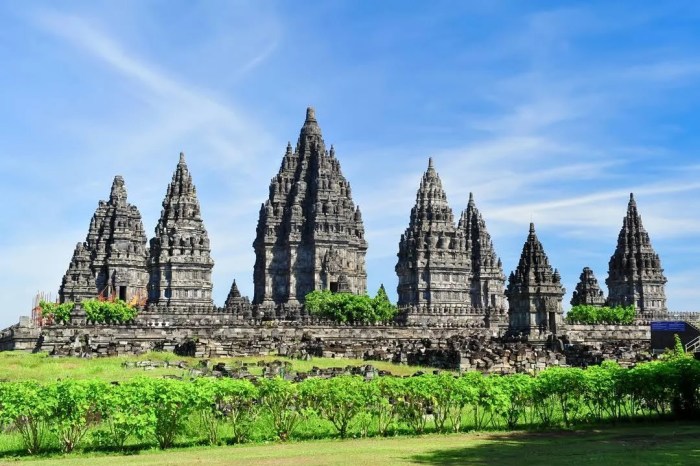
(596, 334)
(217, 333)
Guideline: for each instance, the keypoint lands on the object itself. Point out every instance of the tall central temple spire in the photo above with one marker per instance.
(310, 235)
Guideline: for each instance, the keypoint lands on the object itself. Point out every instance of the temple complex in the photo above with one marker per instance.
(535, 292)
(635, 275)
(112, 260)
(180, 263)
(310, 235)
(588, 292)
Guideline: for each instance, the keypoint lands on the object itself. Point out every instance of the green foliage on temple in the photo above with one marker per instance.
(60, 313)
(116, 311)
(348, 307)
(586, 314)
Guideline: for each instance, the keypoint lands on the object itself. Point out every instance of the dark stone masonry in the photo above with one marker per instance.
(455, 309)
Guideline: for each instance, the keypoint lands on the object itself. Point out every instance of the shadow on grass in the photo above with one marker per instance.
(664, 444)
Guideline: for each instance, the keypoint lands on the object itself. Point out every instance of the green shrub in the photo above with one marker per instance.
(348, 307)
(280, 398)
(78, 406)
(30, 408)
(127, 414)
(338, 399)
(116, 311)
(586, 314)
(60, 313)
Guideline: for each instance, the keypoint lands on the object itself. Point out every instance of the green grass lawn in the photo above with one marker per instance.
(648, 444)
(17, 365)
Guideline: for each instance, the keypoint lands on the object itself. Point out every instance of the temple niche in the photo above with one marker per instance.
(310, 235)
(180, 263)
(535, 292)
(112, 260)
(635, 275)
(588, 292)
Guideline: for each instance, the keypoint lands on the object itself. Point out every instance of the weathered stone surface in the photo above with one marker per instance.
(180, 263)
(535, 292)
(587, 291)
(310, 235)
(635, 275)
(112, 260)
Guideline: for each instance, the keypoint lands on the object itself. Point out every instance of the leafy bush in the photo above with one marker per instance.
(116, 311)
(160, 410)
(348, 307)
(338, 399)
(280, 398)
(79, 406)
(126, 413)
(58, 312)
(585, 314)
(30, 408)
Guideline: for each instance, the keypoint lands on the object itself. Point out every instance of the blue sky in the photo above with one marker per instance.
(550, 111)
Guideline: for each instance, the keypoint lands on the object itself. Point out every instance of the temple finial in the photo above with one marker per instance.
(430, 162)
(532, 227)
(310, 115)
(182, 157)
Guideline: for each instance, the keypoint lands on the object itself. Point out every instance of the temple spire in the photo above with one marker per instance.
(488, 280)
(534, 291)
(310, 219)
(635, 275)
(112, 260)
(180, 263)
(433, 263)
(587, 291)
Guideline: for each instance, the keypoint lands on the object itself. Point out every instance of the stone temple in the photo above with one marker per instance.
(180, 263)
(447, 272)
(635, 275)
(588, 292)
(535, 291)
(112, 260)
(310, 235)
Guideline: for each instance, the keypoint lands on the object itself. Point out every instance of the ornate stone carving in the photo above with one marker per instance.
(309, 230)
(635, 275)
(535, 292)
(180, 263)
(112, 260)
(587, 291)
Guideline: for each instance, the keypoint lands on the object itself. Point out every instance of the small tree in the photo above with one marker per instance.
(79, 405)
(281, 400)
(30, 408)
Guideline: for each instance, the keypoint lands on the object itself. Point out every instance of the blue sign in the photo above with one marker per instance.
(672, 326)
